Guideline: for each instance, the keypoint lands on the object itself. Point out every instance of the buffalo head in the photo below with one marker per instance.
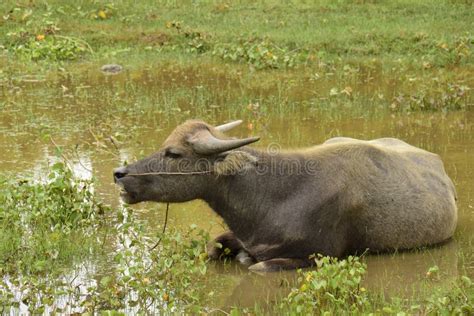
(190, 158)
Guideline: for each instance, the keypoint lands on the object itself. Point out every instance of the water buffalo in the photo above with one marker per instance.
(341, 197)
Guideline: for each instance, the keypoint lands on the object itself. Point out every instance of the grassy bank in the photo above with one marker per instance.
(263, 34)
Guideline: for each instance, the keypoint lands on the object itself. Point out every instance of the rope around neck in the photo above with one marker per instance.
(164, 227)
(168, 173)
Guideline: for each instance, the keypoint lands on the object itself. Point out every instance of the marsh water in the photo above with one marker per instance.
(102, 121)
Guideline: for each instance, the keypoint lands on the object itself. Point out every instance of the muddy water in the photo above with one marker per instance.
(103, 121)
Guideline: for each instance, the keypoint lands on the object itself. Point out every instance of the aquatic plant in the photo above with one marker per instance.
(39, 220)
(166, 278)
(48, 228)
(333, 286)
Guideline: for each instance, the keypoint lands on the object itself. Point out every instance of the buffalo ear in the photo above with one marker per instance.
(234, 162)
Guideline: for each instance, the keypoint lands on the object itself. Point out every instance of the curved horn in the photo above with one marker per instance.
(205, 143)
(228, 126)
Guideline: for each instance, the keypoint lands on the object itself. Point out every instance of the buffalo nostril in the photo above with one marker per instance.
(119, 173)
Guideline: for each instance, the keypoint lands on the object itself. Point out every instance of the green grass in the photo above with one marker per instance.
(421, 33)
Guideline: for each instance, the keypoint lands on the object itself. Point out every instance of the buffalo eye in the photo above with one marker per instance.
(172, 153)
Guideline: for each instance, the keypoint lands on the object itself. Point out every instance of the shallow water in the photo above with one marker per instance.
(103, 121)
